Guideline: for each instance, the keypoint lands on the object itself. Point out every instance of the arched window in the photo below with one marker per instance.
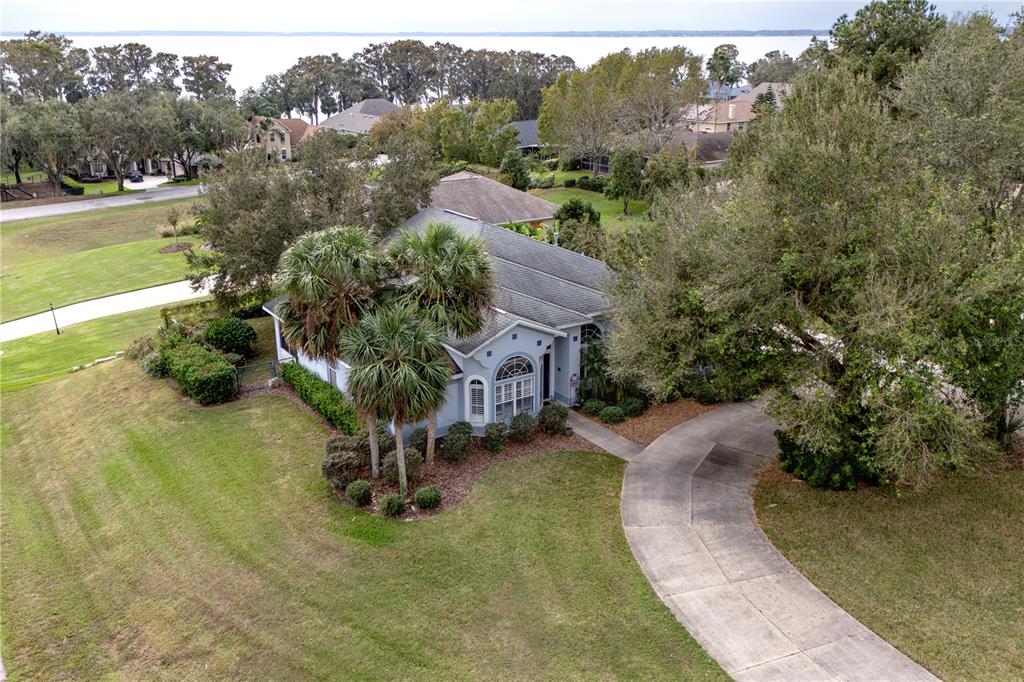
(477, 411)
(513, 388)
(589, 333)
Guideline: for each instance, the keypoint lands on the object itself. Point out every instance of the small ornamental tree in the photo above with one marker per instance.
(514, 170)
(627, 176)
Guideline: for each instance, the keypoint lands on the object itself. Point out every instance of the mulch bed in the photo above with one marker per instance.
(174, 248)
(656, 420)
(456, 479)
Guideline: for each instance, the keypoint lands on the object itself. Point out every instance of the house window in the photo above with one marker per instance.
(284, 154)
(513, 388)
(332, 376)
(477, 413)
(728, 127)
(271, 135)
(589, 334)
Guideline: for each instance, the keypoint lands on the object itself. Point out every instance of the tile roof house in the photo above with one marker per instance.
(488, 200)
(549, 304)
(359, 118)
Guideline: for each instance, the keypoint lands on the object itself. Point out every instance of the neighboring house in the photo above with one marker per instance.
(602, 167)
(726, 92)
(359, 118)
(705, 149)
(279, 136)
(736, 114)
(548, 306)
(528, 141)
(491, 201)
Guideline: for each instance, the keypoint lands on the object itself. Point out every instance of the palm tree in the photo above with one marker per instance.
(398, 368)
(329, 280)
(450, 280)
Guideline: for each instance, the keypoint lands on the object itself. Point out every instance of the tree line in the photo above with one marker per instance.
(406, 72)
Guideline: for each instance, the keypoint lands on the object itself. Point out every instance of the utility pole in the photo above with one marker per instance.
(55, 326)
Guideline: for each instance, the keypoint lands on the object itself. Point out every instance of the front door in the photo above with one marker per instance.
(545, 369)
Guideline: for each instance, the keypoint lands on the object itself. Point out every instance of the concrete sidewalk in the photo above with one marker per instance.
(8, 215)
(163, 294)
(603, 437)
(689, 519)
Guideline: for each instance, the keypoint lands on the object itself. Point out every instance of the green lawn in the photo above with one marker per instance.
(24, 241)
(937, 573)
(27, 175)
(144, 538)
(28, 361)
(88, 274)
(610, 210)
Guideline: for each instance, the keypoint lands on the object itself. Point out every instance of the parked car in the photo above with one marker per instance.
(89, 178)
(135, 176)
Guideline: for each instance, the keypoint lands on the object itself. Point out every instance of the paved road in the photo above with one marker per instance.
(99, 307)
(156, 194)
(689, 519)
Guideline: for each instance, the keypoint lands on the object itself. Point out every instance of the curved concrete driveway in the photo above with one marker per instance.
(689, 518)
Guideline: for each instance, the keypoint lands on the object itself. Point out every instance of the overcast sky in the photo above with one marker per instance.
(438, 16)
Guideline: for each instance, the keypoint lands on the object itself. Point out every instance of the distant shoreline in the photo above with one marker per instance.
(454, 34)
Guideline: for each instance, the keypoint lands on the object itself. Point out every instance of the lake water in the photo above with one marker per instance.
(253, 57)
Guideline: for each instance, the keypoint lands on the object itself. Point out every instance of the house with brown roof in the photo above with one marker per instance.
(490, 201)
(359, 118)
(736, 114)
(279, 137)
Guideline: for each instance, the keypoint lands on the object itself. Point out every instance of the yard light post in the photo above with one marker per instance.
(55, 325)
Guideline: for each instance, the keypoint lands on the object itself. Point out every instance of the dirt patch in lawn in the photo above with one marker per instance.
(175, 248)
(656, 420)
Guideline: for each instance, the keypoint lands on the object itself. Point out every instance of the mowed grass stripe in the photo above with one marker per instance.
(205, 543)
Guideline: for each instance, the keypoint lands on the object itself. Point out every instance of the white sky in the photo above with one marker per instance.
(438, 16)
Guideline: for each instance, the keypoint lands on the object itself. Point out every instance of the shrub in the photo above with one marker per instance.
(233, 359)
(418, 439)
(457, 443)
(461, 427)
(579, 210)
(428, 497)
(249, 311)
(613, 415)
(521, 428)
(393, 505)
(165, 231)
(570, 182)
(202, 374)
(342, 464)
(593, 184)
(322, 397)
(389, 467)
(553, 418)
(231, 335)
(359, 493)
(594, 406)
(824, 470)
(494, 437)
(632, 407)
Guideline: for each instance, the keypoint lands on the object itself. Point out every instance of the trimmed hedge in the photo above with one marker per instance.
(553, 418)
(203, 375)
(613, 415)
(322, 397)
(457, 443)
(632, 407)
(494, 437)
(393, 505)
(359, 493)
(521, 428)
(594, 406)
(427, 497)
(231, 335)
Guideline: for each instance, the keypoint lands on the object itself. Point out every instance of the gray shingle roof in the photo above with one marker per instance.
(489, 200)
(496, 322)
(549, 288)
(526, 131)
(535, 309)
(360, 117)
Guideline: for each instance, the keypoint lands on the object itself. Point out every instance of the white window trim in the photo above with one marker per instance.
(532, 378)
(468, 401)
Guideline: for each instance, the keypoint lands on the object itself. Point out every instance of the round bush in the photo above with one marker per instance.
(613, 415)
(389, 467)
(456, 445)
(632, 407)
(494, 437)
(393, 505)
(359, 493)
(570, 182)
(341, 467)
(553, 418)
(231, 335)
(521, 428)
(427, 497)
(461, 427)
(594, 406)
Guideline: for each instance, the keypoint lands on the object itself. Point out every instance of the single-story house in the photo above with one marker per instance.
(359, 118)
(527, 138)
(490, 201)
(548, 306)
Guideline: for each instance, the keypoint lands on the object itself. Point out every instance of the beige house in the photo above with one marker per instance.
(736, 114)
(279, 137)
